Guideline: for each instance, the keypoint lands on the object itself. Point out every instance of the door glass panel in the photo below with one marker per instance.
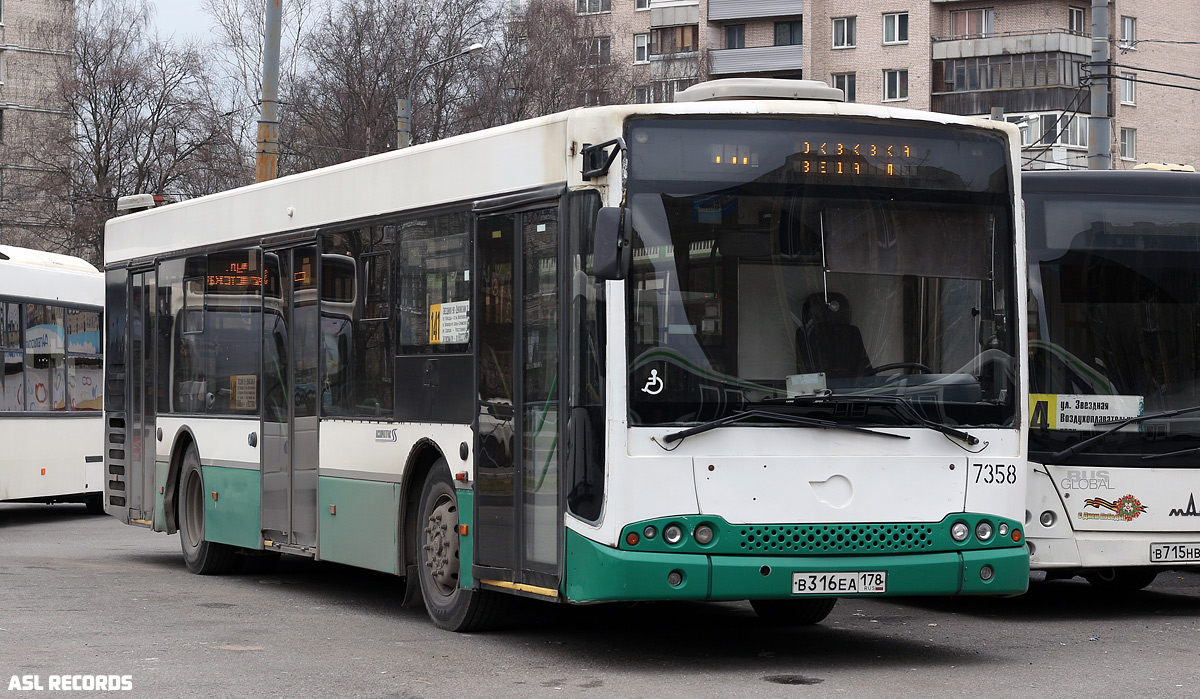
(496, 494)
(540, 361)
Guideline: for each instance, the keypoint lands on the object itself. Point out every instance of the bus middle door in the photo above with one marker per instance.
(291, 336)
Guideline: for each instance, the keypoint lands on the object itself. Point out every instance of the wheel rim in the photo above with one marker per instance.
(441, 545)
(193, 513)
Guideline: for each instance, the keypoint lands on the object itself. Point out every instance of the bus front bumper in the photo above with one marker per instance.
(598, 573)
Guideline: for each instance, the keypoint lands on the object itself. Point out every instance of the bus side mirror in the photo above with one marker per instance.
(612, 254)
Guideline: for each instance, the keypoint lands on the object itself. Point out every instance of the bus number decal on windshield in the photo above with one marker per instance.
(999, 474)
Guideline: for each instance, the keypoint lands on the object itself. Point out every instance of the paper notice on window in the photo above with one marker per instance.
(243, 392)
(450, 323)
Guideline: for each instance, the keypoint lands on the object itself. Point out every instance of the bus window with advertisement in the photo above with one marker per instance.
(51, 389)
(1114, 406)
(741, 349)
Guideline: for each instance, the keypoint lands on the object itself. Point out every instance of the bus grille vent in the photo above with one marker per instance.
(837, 538)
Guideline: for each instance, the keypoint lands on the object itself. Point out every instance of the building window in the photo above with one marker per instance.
(845, 83)
(643, 5)
(1075, 21)
(843, 32)
(895, 85)
(1128, 144)
(895, 28)
(735, 36)
(971, 23)
(641, 94)
(1128, 83)
(641, 48)
(1128, 32)
(596, 51)
(1008, 71)
(664, 91)
(587, 7)
(668, 40)
(789, 33)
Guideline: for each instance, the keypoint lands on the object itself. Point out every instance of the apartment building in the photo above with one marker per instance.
(35, 50)
(1026, 59)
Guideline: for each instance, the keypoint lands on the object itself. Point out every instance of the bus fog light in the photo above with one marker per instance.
(986, 573)
(650, 531)
(1048, 519)
(672, 534)
(1002, 530)
(703, 534)
(675, 578)
(960, 531)
(983, 531)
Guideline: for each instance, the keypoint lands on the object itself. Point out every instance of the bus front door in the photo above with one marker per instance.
(518, 514)
(290, 337)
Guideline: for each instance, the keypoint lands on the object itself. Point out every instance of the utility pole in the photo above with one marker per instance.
(267, 161)
(1100, 123)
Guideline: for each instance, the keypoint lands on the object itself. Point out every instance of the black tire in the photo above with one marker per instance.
(94, 503)
(793, 612)
(1121, 580)
(202, 557)
(436, 542)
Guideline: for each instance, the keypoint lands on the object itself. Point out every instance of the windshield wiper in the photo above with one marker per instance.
(898, 405)
(1078, 446)
(782, 417)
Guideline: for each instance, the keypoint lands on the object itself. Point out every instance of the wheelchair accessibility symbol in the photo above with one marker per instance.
(654, 385)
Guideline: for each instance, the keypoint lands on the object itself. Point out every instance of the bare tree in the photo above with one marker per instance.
(144, 122)
(548, 59)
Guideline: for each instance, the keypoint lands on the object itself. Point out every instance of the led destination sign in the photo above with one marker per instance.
(881, 153)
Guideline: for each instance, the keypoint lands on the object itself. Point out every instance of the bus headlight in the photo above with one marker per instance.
(1002, 530)
(983, 531)
(672, 534)
(960, 531)
(703, 534)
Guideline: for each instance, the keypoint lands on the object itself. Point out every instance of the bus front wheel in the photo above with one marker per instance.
(437, 542)
(202, 557)
(793, 612)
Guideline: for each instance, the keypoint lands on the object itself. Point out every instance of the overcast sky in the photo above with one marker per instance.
(181, 18)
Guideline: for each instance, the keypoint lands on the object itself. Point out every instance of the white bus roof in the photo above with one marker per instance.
(521, 156)
(36, 275)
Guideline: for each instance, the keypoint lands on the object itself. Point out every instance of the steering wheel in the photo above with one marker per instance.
(900, 365)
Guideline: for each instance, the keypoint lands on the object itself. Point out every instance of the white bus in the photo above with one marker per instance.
(51, 389)
(1114, 274)
(754, 345)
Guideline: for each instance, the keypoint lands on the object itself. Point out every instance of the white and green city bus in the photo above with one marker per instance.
(51, 433)
(1114, 274)
(756, 345)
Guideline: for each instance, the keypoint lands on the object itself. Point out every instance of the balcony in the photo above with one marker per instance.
(762, 59)
(725, 10)
(674, 13)
(1045, 41)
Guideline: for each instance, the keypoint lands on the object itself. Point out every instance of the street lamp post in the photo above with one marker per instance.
(404, 104)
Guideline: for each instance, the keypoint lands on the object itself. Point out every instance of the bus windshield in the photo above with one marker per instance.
(778, 258)
(1115, 283)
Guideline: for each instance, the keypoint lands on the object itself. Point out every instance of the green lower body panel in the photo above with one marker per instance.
(232, 498)
(598, 573)
(466, 542)
(359, 523)
(160, 486)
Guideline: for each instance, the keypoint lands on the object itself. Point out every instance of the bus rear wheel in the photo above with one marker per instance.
(437, 547)
(202, 557)
(793, 612)
(1121, 580)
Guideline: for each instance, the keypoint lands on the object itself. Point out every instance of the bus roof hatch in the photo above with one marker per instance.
(759, 88)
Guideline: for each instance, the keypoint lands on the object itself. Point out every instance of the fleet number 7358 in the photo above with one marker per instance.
(1000, 474)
